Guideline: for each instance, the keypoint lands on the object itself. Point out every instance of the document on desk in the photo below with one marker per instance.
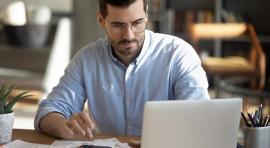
(113, 143)
(23, 144)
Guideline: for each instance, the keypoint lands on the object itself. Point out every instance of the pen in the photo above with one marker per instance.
(245, 119)
(252, 114)
(250, 124)
(266, 120)
(251, 119)
(260, 115)
(255, 121)
(256, 118)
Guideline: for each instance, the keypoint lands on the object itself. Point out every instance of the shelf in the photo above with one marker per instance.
(4, 47)
(190, 4)
(28, 58)
(174, 16)
(33, 59)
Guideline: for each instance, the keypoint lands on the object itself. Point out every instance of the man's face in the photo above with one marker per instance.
(124, 28)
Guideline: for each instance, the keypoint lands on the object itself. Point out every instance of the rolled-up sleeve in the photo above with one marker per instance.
(67, 97)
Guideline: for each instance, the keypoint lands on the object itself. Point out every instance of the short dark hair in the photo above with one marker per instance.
(119, 3)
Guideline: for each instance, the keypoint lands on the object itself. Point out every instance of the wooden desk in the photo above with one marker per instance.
(40, 138)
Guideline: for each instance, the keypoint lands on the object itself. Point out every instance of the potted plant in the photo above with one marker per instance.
(6, 113)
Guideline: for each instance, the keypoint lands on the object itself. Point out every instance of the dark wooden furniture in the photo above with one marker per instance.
(254, 65)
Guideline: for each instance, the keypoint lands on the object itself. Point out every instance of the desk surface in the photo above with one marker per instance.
(37, 137)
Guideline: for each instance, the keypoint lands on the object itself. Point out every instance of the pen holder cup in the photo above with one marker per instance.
(257, 137)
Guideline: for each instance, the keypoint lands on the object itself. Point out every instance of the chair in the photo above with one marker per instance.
(254, 66)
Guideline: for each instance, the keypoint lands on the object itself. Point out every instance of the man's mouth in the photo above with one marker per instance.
(127, 44)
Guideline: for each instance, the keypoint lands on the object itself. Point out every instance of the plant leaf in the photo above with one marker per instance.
(7, 92)
(16, 99)
(2, 108)
(2, 91)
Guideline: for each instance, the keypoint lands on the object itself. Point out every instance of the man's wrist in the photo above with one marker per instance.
(52, 123)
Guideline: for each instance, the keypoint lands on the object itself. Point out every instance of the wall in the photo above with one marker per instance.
(86, 28)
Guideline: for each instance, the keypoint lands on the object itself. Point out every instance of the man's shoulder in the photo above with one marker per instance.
(92, 51)
(97, 47)
(168, 38)
(171, 42)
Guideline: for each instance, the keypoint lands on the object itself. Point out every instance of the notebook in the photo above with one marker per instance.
(191, 124)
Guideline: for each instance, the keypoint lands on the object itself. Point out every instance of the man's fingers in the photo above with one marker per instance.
(76, 127)
(67, 130)
(80, 124)
(85, 127)
(89, 133)
(87, 123)
(85, 117)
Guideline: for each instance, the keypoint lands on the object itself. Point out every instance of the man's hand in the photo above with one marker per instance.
(78, 125)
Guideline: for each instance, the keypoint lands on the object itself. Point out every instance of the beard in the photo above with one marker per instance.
(126, 41)
(126, 47)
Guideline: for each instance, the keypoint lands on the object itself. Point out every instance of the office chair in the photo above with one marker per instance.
(254, 66)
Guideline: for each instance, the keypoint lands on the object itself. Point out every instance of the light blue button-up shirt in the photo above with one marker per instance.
(167, 68)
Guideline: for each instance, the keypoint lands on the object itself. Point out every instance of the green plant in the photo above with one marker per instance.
(7, 101)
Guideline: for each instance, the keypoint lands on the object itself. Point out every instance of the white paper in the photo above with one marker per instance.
(23, 144)
(113, 142)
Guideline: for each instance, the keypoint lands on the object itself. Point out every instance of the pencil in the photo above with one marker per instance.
(251, 119)
(245, 119)
(266, 120)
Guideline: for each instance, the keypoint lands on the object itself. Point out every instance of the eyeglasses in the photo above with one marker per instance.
(119, 28)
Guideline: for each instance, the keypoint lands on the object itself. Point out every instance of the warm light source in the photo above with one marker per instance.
(224, 30)
(14, 14)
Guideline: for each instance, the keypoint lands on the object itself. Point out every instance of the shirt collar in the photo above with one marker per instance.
(112, 54)
(144, 48)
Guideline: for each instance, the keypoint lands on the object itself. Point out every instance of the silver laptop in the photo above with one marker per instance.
(191, 124)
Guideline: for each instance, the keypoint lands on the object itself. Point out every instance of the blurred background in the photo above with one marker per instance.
(38, 38)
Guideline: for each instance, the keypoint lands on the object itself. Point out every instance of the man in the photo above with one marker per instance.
(117, 75)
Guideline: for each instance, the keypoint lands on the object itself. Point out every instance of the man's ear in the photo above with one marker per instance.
(146, 12)
(100, 19)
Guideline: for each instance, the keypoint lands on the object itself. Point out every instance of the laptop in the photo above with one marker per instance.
(191, 123)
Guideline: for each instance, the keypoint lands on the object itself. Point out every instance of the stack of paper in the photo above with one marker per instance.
(22, 144)
(113, 142)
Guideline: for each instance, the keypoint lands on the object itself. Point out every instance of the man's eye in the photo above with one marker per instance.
(137, 23)
(117, 25)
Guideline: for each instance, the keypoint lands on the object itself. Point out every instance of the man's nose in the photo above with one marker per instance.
(128, 33)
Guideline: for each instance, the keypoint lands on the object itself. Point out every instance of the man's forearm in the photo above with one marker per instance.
(78, 125)
(52, 123)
